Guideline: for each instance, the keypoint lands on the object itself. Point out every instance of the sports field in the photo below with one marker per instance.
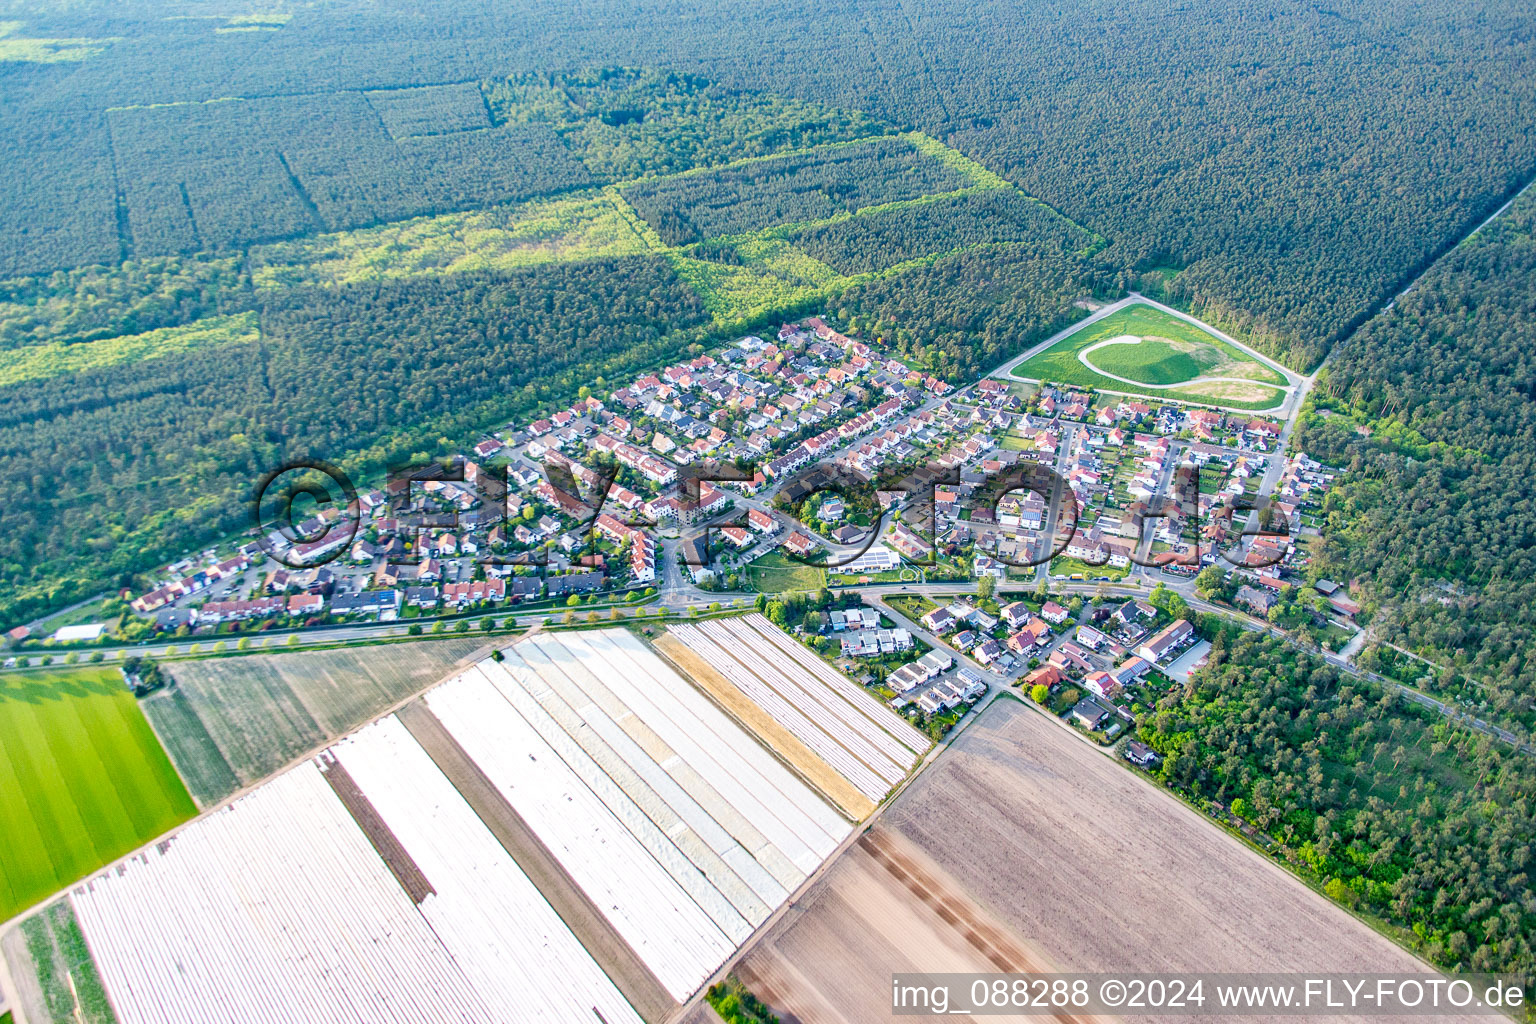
(82, 781)
(1142, 350)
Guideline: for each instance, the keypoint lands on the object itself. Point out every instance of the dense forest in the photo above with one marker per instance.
(624, 123)
(149, 393)
(887, 237)
(111, 471)
(1431, 408)
(224, 175)
(963, 314)
(93, 303)
(1386, 806)
(1281, 169)
(790, 189)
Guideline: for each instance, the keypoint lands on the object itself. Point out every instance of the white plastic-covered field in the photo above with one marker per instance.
(836, 719)
(364, 886)
(669, 817)
(279, 908)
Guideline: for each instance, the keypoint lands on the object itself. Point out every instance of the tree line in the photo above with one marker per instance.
(1388, 807)
(1429, 410)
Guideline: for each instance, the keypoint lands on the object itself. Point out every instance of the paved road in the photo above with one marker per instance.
(1053, 513)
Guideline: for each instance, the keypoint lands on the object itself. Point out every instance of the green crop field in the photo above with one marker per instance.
(69, 987)
(1142, 350)
(82, 781)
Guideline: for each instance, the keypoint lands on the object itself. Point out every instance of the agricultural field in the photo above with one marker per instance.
(668, 815)
(362, 883)
(882, 907)
(776, 573)
(82, 781)
(569, 808)
(1016, 781)
(752, 660)
(1143, 350)
(229, 722)
(56, 981)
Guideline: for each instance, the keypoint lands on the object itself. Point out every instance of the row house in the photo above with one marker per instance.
(762, 522)
(657, 470)
(192, 584)
(240, 611)
(460, 595)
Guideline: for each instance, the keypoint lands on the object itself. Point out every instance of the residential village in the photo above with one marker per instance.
(588, 503)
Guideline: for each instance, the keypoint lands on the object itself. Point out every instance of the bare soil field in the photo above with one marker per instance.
(882, 908)
(1021, 849)
(230, 722)
(1103, 871)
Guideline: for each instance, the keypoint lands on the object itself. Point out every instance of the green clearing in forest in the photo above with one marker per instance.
(741, 278)
(39, 362)
(1153, 351)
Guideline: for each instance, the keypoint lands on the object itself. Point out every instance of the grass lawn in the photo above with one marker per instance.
(93, 612)
(1062, 565)
(1170, 351)
(775, 573)
(913, 606)
(1014, 443)
(82, 781)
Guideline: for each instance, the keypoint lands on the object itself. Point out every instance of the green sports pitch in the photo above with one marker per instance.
(83, 780)
(1143, 350)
